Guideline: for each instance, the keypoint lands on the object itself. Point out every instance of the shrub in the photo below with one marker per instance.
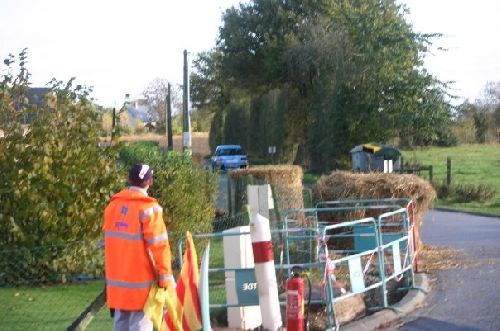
(465, 192)
(472, 192)
(443, 190)
(50, 264)
(186, 192)
(55, 180)
(141, 150)
(446, 138)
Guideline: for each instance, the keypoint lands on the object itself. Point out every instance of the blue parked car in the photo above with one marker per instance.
(229, 157)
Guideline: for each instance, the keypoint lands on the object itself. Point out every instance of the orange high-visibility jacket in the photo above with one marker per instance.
(137, 252)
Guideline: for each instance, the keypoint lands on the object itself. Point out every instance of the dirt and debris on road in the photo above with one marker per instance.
(436, 258)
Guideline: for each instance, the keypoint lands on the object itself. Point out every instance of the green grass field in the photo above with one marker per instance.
(49, 308)
(56, 307)
(470, 164)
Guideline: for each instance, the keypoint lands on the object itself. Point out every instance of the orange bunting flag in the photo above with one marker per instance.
(188, 302)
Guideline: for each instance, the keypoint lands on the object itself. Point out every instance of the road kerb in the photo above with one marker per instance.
(409, 303)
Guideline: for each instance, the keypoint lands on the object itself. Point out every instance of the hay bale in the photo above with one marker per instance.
(282, 175)
(286, 179)
(342, 185)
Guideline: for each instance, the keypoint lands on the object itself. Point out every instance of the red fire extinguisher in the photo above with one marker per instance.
(295, 301)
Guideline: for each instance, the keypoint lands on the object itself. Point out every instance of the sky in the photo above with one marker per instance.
(119, 46)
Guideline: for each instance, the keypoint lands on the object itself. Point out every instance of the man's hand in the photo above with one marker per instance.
(167, 284)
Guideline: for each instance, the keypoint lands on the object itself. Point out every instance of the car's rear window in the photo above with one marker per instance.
(230, 151)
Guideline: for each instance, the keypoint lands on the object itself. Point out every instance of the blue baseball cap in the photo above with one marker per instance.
(139, 174)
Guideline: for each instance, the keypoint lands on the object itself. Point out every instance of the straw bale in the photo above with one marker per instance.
(287, 180)
(283, 175)
(342, 185)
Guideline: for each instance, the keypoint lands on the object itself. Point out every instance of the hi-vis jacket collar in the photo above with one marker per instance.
(133, 193)
(138, 189)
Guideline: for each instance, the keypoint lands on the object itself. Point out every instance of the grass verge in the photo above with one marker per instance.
(56, 307)
(470, 164)
(47, 308)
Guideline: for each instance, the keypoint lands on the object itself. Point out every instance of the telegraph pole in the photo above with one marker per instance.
(170, 143)
(113, 124)
(186, 119)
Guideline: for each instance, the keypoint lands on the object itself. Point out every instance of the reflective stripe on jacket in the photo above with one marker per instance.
(137, 252)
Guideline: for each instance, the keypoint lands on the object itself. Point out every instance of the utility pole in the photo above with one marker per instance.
(186, 119)
(170, 143)
(113, 124)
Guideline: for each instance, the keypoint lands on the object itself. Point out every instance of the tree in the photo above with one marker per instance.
(483, 114)
(481, 124)
(155, 95)
(490, 95)
(255, 37)
(490, 104)
(353, 71)
(477, 114)
(106, 117)
(55, 179)
(496, 116)
(208, 94)
(207, 86)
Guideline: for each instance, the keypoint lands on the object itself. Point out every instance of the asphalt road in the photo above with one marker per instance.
(465, 298)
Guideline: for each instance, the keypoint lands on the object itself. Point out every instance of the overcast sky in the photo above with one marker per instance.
(119, 46)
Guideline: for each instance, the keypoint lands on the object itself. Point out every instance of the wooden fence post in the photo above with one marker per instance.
(448, 170)
(229, 196)
(113, 124)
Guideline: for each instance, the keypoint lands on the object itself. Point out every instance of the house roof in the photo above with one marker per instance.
(36, 95)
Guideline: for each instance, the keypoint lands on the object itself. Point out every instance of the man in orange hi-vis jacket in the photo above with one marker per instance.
(137, 252)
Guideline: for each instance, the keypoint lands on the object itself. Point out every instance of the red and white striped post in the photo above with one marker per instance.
(265, 273)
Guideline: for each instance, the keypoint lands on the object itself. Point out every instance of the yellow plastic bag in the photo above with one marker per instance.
(158, 299)
(153, 308)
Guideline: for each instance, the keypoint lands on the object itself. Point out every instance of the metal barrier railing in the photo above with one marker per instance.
(407, 203)
(395, 248)
(330, 266)
(354, 262)
(217, 270)
(290, 223)
(362, 202)
(343, 272)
